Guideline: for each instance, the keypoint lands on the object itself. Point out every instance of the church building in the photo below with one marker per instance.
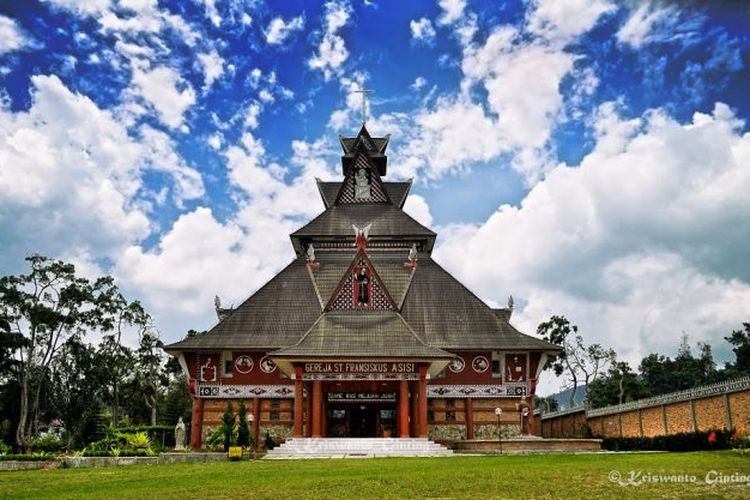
(363, 334)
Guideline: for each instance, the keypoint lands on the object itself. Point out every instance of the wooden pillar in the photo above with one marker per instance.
(256, 422)
(469, 408)
(196, 424)
(414, 413)
(403, 409)
(324, 416)
(316, 404)
(308, 411)
(298, 395)
(422, 402)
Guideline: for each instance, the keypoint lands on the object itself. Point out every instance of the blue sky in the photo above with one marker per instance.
(588, 157)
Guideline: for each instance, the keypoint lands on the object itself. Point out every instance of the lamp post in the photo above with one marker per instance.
(498, 412)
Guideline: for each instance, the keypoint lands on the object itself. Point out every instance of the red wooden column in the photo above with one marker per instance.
(196, 424)
(298, 402)
(414, 414)
(422, 401)
(403, 409)
(469, 409)
(308, 411)
(317, 406)
(256, 422)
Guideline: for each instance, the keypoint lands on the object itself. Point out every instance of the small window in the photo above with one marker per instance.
(228, 364)
(450, 403)
(274, 414)
(275, 404)
(497, 369)
(450, 416)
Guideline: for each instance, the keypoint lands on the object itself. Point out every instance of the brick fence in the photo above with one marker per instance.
(722, 405)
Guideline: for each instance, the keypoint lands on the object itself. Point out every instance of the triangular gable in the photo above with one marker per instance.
(347, 294)
(362, 169)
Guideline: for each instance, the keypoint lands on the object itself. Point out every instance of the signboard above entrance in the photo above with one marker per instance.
(356, 397)
(361, 367)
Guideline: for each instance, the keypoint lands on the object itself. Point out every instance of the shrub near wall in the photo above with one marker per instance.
(717, 439)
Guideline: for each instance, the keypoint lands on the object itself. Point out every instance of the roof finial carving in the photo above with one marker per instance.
(361, 235)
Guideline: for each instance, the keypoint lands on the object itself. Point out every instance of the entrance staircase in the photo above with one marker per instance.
(357, 448)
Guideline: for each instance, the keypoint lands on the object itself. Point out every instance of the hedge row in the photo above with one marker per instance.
(717, 439)
(108, 453)
(26, 457)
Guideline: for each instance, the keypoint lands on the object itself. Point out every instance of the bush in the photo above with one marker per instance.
(227, 427)
(717, 439)
(47, 443)
(28, 457)
(113, 453)
(140, 441)
(243, 430)
(5, 449)
(161, 435)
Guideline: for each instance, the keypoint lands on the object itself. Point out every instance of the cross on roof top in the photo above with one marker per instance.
(364, 91)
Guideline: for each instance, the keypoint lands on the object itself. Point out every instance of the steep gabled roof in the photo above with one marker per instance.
(389, 223)
(447, 315)
(389, 265)
(277, 315)
(364, 334)
(397, 192)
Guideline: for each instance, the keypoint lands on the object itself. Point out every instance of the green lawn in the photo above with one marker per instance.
(537, 476)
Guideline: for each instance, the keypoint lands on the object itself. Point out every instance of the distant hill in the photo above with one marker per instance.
(563, 397)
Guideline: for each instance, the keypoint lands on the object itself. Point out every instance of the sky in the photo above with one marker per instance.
(591, 158)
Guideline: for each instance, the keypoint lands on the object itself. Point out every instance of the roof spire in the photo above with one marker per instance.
(364, 91)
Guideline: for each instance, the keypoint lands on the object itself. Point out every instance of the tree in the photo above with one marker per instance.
(243, 430)
(578, 361)
(740, 341)
(46, 307)
(546, 403)
(620, 385)
(227, 426)
(150, 375)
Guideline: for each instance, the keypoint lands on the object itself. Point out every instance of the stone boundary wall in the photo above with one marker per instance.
(722, 405)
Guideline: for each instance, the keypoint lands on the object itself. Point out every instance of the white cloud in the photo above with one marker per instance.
(215, 141)
(169, 94)
(88, 7)
(453, 10)
(563, 20)
(643, 240)
(11, 36)
(332, 51)
(422, 30)
(640, 26)
(244, 251)
(417, 207)
(72, 175)
(419, 82)
(213, 67)
(279, 30)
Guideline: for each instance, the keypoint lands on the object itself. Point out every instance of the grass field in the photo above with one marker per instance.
(539, 476)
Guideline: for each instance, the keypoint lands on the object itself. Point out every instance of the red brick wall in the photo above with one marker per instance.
(710, 413)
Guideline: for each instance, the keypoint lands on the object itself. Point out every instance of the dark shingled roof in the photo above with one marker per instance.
(447, 315)
(397, 192)
(387, 221)
(361, 333)
(277, 315)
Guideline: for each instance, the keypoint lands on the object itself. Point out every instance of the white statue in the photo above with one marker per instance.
(361, 185)
(179, 435)
(311, 253)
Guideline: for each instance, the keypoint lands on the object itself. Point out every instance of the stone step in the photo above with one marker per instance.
(357, 447)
